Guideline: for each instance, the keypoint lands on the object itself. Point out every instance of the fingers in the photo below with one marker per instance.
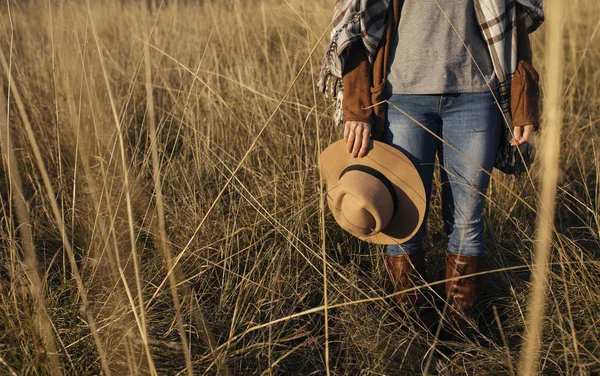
(356, 136)
(522, 135)
(517, 132)
(357, 142)
(346, 130)
(350, 136)
(526, 134)
(365, 143)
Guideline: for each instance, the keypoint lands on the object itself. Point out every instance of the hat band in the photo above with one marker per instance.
(378, 175)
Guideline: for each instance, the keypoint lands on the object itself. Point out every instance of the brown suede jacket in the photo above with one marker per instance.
(364, 83)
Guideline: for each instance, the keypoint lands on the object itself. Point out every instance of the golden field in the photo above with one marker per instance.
(162, 211)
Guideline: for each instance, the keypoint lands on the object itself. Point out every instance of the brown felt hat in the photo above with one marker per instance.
(379, 198)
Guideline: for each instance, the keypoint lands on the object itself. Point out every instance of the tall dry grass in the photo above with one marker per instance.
(162, 209)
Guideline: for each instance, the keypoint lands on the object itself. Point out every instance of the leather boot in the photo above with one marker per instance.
(462, 294)
(408, 271)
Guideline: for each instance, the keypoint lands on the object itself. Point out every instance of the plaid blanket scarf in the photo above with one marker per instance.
(365, 20)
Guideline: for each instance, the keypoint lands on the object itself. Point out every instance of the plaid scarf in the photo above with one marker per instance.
(365, 20)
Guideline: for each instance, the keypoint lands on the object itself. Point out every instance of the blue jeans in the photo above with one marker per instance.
(472, 123)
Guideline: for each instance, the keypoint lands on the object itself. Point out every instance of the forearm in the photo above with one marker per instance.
(357, 83)
(525, 85)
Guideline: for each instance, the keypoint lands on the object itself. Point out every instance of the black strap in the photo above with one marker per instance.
(378, 175)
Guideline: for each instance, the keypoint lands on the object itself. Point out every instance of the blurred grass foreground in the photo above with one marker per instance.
(162, 212)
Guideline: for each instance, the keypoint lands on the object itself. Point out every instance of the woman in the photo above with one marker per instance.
(452, 69)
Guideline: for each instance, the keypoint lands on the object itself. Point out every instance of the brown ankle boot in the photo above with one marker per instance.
(462, 294)
(408, 271)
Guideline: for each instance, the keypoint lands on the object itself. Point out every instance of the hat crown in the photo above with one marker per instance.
(357, 215)
(363, 201)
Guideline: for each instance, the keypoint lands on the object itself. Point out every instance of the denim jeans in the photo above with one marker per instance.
(470, 122)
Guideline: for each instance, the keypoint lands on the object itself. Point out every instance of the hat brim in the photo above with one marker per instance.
(399, 170)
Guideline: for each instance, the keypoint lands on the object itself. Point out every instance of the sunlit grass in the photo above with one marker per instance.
(168, 164)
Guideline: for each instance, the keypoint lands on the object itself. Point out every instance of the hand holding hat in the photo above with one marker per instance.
(379, 198)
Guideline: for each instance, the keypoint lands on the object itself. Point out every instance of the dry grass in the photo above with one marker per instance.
(171, 195)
